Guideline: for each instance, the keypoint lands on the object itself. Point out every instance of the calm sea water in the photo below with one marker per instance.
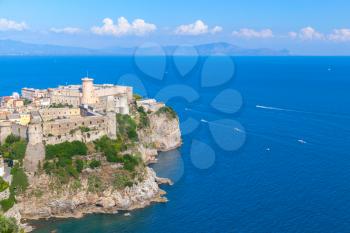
(292, 187)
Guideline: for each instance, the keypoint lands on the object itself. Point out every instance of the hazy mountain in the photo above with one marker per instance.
(10, 47)
(229, 49)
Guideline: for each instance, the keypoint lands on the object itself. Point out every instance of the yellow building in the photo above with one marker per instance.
(24, 119)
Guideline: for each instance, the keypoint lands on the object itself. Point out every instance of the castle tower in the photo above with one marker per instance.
(35, 152)
(88, 90)
(111, 125)
(35, 133)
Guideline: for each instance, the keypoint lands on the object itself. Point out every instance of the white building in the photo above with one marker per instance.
(31, 93)
(149, 104)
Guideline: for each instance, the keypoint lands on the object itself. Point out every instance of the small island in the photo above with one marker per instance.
(80, 149)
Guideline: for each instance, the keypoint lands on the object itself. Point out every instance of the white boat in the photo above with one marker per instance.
(302, 141)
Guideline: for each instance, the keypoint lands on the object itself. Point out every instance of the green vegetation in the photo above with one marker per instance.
(3, 185)
(12, 139)
(137, 97)
(60, 105)
(65, 150)
(168, 111)
(14, 148)
(7, 203)
(59, 160)
(79, 165)
(122, 180)
(27, 102)
(9, 225)
(94, 164)
(144, 120)
(130, 162)
(84, 129)
(19, 185)
(19, 180)
(126, 129)
(95, 184)
(112, 150)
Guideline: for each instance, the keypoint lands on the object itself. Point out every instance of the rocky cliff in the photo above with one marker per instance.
(69, 201)
(163, 134)
(109, 187)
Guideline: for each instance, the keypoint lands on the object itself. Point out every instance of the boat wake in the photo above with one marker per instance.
(277, 109)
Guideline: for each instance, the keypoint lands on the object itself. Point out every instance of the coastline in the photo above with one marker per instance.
(31, 224)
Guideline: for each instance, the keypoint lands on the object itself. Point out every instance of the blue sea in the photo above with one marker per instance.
(291, 173)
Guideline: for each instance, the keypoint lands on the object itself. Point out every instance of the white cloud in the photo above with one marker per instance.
(216, 29)
(196, 28)
(251, 33)
(138, 27)
(7, 25)
(66, 30)
(340, 35)
(307, 33)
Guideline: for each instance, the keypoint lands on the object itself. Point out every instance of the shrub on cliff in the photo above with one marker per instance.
(9, 225)
(18, 150)
(130, 162)
(144, 121)
(126, 128)
(19, 185)
(110, 148)
(66, 149)
(170, 113)
(95, 184)
(122, 180)
(7, 204)
(3, 185)
(60, 160)
(137, 96)
(19, 180)
(79, 165)
(94, 164)
(13, 148)
(12, 139)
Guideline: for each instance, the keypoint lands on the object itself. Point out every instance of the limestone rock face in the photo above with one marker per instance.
(163, 134)
(77, 203)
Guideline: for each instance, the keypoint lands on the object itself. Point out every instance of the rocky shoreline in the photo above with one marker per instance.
(68, 205)
(163, 134)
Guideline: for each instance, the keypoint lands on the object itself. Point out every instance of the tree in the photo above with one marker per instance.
(12, 139)
(8, 225)
(94, 164)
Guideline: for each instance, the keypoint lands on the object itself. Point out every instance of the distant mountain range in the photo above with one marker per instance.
(16, 48)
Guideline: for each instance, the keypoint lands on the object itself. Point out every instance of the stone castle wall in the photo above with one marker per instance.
(74, 129)
(48, 114)
(115, 90)
(5, 130)
(63, 99)
(19, 130)
(77, 136)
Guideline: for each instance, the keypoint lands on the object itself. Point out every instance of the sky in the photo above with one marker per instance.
(304, 27)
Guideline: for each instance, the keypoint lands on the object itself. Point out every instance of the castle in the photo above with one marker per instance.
(83, 112)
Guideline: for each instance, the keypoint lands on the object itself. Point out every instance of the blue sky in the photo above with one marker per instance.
(304, 27)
